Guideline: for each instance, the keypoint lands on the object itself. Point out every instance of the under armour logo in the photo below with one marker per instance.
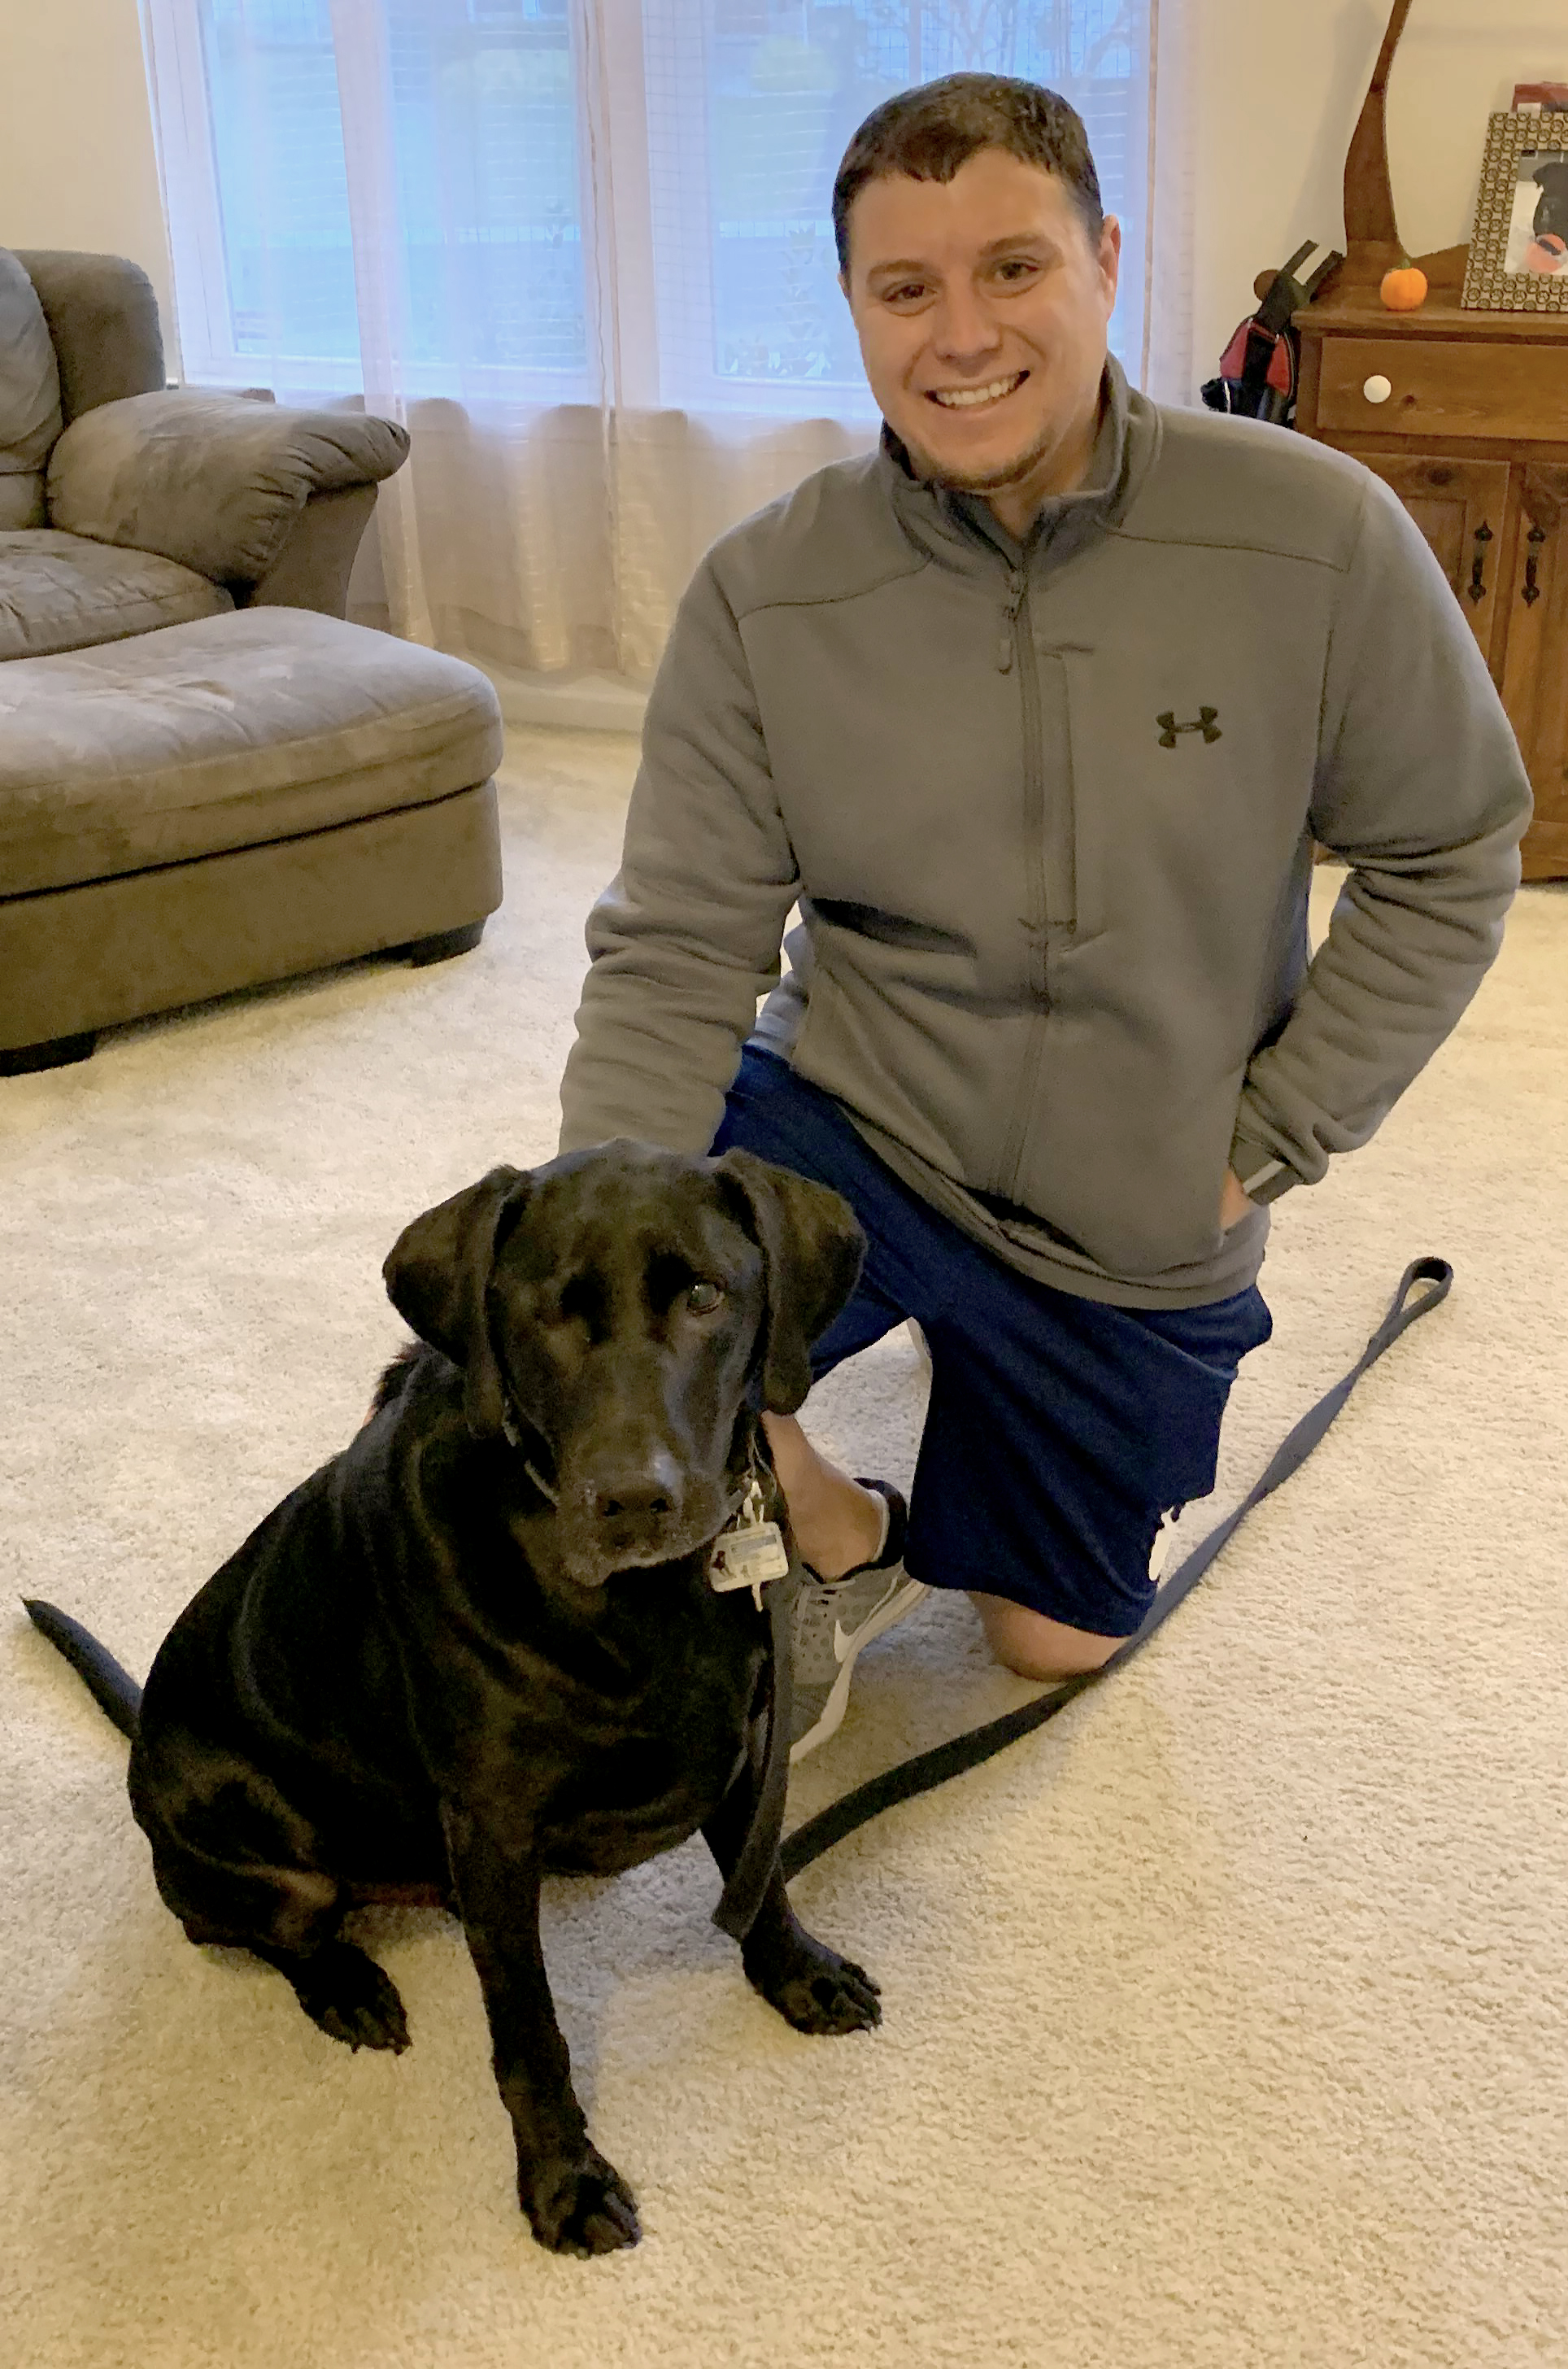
(1202, 722)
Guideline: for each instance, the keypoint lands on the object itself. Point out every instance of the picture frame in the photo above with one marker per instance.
(1518, 250)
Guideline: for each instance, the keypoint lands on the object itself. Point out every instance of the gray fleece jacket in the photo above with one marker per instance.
(1048, 812)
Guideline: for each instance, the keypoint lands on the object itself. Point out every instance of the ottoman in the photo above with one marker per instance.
(229, 801)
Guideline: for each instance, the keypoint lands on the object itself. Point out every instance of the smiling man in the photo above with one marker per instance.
(1036, 712)
(986, 356)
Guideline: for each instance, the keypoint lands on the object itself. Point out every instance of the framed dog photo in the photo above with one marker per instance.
(1518, 251)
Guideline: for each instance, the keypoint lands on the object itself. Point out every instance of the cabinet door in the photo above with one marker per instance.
(1460, 506)
(1534, 680)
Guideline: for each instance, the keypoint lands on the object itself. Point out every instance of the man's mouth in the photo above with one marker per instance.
(976, 398)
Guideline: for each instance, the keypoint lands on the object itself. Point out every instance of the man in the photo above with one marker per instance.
(1038, 712)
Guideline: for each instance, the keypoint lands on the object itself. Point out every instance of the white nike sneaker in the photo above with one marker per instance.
(835, 1619)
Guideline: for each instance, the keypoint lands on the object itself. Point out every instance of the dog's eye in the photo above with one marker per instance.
(704, 1297)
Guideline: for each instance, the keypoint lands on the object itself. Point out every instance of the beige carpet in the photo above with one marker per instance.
(1226, 2020)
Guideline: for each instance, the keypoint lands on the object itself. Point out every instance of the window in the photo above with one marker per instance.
(471, 137)
(478, 119)
(752, 103)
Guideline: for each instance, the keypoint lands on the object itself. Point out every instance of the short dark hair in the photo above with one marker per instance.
(930, 131)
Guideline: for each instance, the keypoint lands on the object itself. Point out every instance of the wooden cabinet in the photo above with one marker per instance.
(1535, 662)
(1465, 414)
(1460, 506)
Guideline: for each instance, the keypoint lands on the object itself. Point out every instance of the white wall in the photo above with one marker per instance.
(77, 163)
(1279, 86)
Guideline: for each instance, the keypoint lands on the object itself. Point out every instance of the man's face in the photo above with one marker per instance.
(982, 308)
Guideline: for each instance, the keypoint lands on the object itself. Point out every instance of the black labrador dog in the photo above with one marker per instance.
(482, 1643)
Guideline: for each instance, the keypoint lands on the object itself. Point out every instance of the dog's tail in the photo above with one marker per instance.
(112, 1689)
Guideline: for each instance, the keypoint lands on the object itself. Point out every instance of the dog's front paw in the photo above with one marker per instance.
(813, 1987)
(351, 1998)
(582, 2206)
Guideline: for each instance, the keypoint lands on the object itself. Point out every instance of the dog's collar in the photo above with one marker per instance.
(545, 1490)
(514, 1438)
(749, 1547)
(747, 1505)
(749, 1502)
(748, 1551)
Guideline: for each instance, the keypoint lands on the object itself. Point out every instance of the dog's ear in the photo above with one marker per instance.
(437, 1272)
(812, 1246)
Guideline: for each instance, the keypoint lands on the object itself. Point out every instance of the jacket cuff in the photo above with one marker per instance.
(1264, 1175)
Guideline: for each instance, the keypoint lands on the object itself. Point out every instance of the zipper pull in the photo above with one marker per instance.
(1016, 586)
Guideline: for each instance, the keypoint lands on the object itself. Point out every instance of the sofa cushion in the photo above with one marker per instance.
(60, 592)
(103, 325)
(29, 397)
(230, 732)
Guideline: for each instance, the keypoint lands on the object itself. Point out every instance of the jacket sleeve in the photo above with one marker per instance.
(1421, 790)
(686, 936)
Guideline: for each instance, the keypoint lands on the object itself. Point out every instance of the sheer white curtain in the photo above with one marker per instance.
(582, 248)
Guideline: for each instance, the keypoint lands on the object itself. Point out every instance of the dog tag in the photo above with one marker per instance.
(749, 1554)
(748, 1557)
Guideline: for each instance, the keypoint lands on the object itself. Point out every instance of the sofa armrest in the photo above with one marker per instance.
(212, 481)
(312, 568)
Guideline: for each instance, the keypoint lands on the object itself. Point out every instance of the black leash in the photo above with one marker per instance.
(752, 1871)
(928, 1770)
(749, 1878)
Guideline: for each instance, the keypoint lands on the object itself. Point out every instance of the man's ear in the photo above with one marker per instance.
(812, 1246)
(437, 1274)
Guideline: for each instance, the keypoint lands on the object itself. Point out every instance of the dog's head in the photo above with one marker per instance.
(1551, 206)
(624, 1306)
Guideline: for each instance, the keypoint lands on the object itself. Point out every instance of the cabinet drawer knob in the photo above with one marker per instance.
(1377, 388)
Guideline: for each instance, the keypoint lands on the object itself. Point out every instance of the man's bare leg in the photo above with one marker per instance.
(836, 1524)
(1038, 1647)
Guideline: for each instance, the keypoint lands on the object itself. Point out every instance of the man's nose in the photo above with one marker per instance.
(964, 329)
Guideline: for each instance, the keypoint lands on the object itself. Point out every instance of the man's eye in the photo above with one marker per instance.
(704, 1297)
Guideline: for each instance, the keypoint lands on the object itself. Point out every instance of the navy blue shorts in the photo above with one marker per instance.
(1060, 1430)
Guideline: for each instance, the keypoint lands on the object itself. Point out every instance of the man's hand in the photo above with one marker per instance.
(1233, 1202)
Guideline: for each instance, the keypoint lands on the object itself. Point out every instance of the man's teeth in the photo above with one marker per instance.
(955, 397)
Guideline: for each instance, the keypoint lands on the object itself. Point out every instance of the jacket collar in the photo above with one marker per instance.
(961, 530)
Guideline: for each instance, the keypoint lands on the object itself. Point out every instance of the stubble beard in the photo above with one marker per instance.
(988, 481)
(1054, 448)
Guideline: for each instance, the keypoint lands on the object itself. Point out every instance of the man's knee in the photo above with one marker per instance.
(1036, 1647)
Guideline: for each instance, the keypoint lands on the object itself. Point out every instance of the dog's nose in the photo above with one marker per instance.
(646, 1492)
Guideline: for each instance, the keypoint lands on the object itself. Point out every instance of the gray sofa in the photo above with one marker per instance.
(209, 778)
(126, 504)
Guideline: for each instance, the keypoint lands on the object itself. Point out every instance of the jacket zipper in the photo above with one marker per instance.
(1019, 645)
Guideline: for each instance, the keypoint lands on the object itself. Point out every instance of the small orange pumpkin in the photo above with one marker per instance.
(1404, 288)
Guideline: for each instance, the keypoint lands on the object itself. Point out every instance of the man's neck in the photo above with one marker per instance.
(1065, 469)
